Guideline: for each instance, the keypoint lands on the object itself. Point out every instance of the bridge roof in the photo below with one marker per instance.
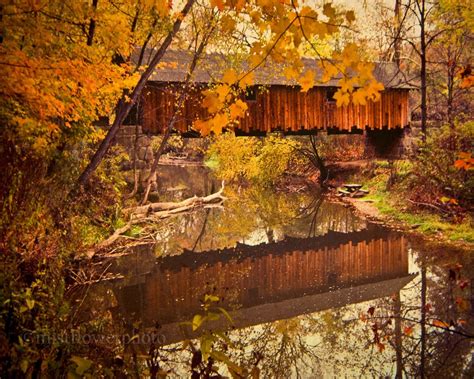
(174, 65)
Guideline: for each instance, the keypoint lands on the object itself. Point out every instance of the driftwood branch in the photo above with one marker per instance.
(194, 201)
(428, 205)
(153, 212)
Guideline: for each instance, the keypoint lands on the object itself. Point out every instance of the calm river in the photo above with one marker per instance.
(296, 287)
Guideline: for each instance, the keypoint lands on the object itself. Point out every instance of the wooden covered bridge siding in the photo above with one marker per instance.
(282, 108)
(173, 292)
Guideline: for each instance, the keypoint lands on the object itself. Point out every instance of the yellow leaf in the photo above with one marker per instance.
(330, 71)
(162, 7)
(291, 72)
(238, 109)
(307, 81)
(228, 23)
(359, 97)
(350, 54)
(247, 80)
(211, 102)
(197, 321)
(218, 122)
(342, 98)
(222, 91)
(346, 84)
(230, 76)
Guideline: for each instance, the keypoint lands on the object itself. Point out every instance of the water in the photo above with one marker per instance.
(311, 290)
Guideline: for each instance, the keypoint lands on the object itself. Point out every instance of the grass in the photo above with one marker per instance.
(391, 203)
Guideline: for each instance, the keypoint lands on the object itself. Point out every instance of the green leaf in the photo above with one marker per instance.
(213, 316)
(83, 364)
(197, 321)
(24, 365)
(206, 346)
(30, 303)
(226, 314)
(211, 298)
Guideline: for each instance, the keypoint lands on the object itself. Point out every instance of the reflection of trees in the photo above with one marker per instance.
(255, 215)
(281, 348)
(376, 338)
(433, 323)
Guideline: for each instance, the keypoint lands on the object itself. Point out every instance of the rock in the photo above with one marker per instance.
(142, 153)
(149, 155)
(144, 141)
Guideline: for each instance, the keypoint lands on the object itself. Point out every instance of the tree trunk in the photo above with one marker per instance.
(91, 32)
(424, 112)
(450, 98)
(180, 102)
(323, 170)
(423, 320)
(398, 336)
(126, 102)
(396, 42)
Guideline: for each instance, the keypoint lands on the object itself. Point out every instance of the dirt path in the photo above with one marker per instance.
(367, 210)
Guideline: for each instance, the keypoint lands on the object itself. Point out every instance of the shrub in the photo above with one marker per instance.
(248, 158)
(434, 174)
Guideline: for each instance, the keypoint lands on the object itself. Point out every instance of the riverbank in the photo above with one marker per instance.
(386, 208)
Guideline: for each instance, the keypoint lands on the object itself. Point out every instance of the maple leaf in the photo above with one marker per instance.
(218, 122)
(350, 16)
(247, 80)
(228, 23)
(201, 126)
(347, 85)
(230, 76)
(222, 91)
(330, 71)
(237, 109)
(162, 7)
(329, 10)
(359, 97)
(307, 81)
(342, 98)
(211, 102)
(291, 72)
(350, 54)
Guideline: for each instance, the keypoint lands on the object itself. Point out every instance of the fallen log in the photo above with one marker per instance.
(153, 212)
(169, 206)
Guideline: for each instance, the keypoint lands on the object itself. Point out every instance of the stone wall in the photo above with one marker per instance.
(132, 138)
(392, 144)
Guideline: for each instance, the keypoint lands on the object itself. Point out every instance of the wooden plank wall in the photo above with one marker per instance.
(173, 294)
(280, 108)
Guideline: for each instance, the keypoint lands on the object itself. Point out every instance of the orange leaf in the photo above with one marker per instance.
(440, 324)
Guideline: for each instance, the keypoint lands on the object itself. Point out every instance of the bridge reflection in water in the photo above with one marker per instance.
(271, 281)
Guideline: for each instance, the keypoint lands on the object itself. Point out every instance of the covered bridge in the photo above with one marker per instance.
(274, 102)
